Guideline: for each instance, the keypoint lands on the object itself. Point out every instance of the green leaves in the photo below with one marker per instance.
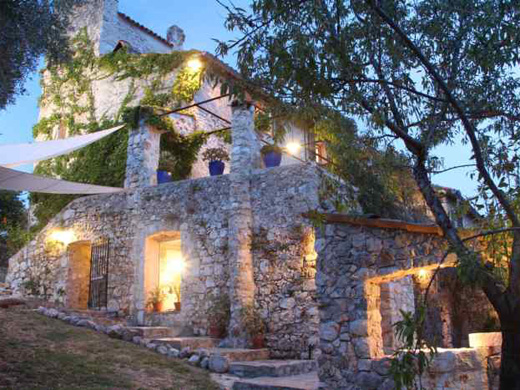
(68, 88)
(412, 359)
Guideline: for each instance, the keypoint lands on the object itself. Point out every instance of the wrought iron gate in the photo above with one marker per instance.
(99, 262)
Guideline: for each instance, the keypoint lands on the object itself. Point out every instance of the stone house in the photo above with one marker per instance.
(330, 292)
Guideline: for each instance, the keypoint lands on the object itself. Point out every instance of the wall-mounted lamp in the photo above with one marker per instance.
(194, 64)
(63, 236)
(423, 278)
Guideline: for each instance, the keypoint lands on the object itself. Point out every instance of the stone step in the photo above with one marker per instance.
(191, 342)
(241, 355)
(153, 332)
(308, 381)
(272, 368)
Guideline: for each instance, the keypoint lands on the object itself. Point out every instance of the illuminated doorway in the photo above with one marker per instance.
(78, 277)
(164, 267)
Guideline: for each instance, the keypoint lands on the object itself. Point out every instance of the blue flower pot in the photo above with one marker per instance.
(216, 168)
(163, 177)
(272, 159)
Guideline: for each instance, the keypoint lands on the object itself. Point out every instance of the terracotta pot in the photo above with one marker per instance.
(258, 341)
(217, 331)
(158, 306)
(177, 306)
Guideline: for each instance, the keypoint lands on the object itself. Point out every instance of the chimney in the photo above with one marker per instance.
(176, 37)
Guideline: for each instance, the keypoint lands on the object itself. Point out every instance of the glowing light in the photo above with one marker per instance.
(194, 64)
(423, 274)
(175, 264)
(63, 236)
(293, 147)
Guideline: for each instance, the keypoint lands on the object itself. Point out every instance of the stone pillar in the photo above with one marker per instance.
(242, 285)
(144, 147)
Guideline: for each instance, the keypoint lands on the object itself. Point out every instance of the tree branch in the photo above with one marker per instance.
(391, 83)
(470, 130)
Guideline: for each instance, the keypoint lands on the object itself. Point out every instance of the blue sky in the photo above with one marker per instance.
(202, 20)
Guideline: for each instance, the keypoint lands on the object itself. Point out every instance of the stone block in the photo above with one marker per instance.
(489, 339)
(364, 364)
(204, 363)
(194, 360)
(173, 353)
(218, 364)
(368, 381)
(329, 331)
(381, 366)
(443, 362)
(361, 347)
(359, 328)
(162, 349)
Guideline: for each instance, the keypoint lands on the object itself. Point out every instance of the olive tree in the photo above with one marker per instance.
(425, 72)
(30, 29)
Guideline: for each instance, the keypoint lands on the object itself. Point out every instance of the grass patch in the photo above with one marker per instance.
(38, 353)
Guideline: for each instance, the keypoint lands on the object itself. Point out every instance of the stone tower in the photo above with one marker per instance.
(99, 17)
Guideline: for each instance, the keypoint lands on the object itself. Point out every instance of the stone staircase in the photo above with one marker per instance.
(308, 381)
(249, 369)
(275, 375)
(154, 332)
(187, 342)
(272, 368)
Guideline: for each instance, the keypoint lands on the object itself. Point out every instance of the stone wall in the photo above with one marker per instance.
(354, 265)
(285, 264)
(454, 311)
(106, 27)
(200, 210)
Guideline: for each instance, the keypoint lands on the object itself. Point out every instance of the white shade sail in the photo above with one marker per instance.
(12, 155)
(20, 181)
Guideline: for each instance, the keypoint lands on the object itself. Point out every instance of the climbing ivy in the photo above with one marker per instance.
(68, 89)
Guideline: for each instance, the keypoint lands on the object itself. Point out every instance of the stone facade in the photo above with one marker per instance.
(360, 269)
(106, 27)
(201, 210)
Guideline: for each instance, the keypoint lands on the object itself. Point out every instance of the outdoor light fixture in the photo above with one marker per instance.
(63, 236)
(194, 64)
(423, 278)
(293, 147)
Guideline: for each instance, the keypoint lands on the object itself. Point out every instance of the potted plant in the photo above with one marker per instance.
(165, 168)
(177, 291)
(216, 157)
(272, 155)
(254, 325)
(218, 315)
(156, 299)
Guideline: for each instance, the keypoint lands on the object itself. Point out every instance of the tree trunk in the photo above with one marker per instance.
(510, 366)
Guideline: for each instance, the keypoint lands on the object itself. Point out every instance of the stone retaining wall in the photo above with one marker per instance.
(354, 264)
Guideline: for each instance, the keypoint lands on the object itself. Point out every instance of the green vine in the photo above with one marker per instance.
(68, 90)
